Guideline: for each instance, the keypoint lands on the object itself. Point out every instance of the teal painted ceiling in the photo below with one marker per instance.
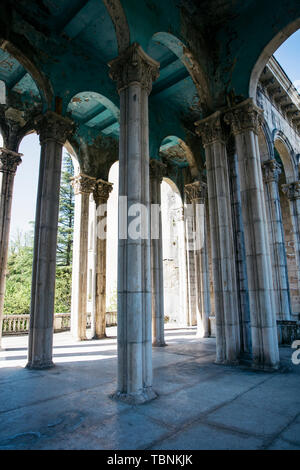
(58, 51)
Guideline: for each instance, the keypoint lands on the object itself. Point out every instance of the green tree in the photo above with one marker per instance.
(19, 270)
(66, 214)
(63, 286)
(19, 266)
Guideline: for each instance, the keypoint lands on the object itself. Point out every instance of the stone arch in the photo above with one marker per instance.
(287, 155)
(265, 142)
(118, 16)
(42, 82)
(190, 62)
(174, 254)
(184, 149)
(267, 52)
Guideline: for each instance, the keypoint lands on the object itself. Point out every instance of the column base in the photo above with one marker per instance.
(40, 365)
(96, 336)
(227, 363)
(146, 395)
(265, 367)
(158, 344)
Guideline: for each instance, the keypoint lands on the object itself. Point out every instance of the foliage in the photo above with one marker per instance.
(19, 266)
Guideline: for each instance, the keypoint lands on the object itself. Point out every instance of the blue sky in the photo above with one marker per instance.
(288, 57)
(24, 198)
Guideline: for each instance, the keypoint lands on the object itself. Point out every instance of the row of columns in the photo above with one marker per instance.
(139, 273)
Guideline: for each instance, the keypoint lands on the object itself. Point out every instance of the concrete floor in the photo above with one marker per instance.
(201, 405)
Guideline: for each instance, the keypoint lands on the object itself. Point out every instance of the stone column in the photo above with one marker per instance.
(101, 194)
(9, 162)
(292, 190)
(222, 245)
(134, 72)
(83, 186)
(53, 130)
(240, 252)
(157, 171)
(271, 172)
(244, 120)
(196, 195)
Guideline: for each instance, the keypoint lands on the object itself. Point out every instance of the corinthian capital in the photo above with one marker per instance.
(52, 126)
(134, 66)
(244, 116)
(271, 170)
(101, 191)
(292, 190)
(196, 191)
(9, 161)
(157, 170)
(210, 129)
(83, 184)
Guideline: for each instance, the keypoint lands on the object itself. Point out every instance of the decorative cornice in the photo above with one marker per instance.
(244, 116)
(292, 190)
(101, 191)
(134, 66)
(157, 170)
(210, 129)
(196, 191)
(53, 126)
(271, 170)
(83, 184)
(9, 161)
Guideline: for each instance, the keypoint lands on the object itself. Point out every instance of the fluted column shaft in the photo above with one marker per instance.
(292, 190)
(244, 120)
(240, 254)
(271, 172)
(196, 193)
(101, 194)
(157, 170)
(9, 162)
(83, 186)
(134, 72)
(224, 275)
(53, 131)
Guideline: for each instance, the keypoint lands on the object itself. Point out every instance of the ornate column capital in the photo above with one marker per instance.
(83, 184)
(196, 191)
(53, 126)
(101, 191)
(134, 66)
(244, 116)
(271, 170)
(210, 129)
(157, 170)
(292, 190)
(9, 161)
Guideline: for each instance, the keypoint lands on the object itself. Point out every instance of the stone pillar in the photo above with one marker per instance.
(244, 120)
(83, 186)
(9, 162)
(101, 194)
(191, 278)
(292, 191)
(271, 172)
(157, 171)
(222, 244)
(196, 195)
(240, 252)
(53, 130)
(134, 72)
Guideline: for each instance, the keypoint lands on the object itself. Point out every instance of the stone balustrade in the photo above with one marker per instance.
(19, 324)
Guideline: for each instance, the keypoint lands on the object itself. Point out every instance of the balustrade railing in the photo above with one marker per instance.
(19, 324)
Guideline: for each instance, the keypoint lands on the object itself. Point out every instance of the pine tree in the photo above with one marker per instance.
(65, 239)
(66, 214)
